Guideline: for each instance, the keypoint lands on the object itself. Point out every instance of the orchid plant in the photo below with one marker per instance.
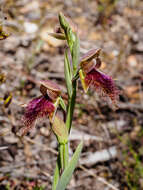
(86, 69)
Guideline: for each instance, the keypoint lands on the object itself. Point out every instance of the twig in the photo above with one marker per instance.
(39, 144)
(98, 178)
(3, 147)
(78, 135)
(100, 156)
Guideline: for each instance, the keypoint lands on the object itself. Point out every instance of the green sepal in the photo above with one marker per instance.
(82, 79)
(62, 104)
(60, 130)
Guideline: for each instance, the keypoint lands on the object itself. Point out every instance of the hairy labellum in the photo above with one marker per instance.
(36, 109)
(102, 82)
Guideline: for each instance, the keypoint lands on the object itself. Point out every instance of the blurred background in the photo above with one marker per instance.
(112, 157)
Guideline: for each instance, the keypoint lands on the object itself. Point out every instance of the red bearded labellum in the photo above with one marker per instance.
(36, 109)
(102, 82)
(45, 105)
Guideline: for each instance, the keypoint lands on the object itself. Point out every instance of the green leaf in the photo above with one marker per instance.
(68, 73)
(62, 104)
(67, 174)
(56, 175)
(75, 54)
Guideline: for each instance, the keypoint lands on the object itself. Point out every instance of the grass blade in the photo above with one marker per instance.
(67, 71)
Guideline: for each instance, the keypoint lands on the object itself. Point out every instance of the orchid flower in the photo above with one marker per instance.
(91, 76)
(42, 106)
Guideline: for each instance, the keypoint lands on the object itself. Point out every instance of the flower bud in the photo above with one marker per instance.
(60, 130)
(66, 22)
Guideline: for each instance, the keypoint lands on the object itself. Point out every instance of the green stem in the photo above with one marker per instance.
(61, 150)
(61, 164)
(65, 155)
(71, 105)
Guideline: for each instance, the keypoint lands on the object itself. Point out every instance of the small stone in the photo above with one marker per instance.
(139, 47)
(44, 131)
(135, 37)
(115, 52)
(30, 27)
(132, 61)
(11, 139)
(12, 44)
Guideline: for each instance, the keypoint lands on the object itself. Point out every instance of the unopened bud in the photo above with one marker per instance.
(60, 130)
(64, 24)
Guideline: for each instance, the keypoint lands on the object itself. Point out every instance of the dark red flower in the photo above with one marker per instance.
(90, 76)
(102, 82)
(36, 109)
(42, 106)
